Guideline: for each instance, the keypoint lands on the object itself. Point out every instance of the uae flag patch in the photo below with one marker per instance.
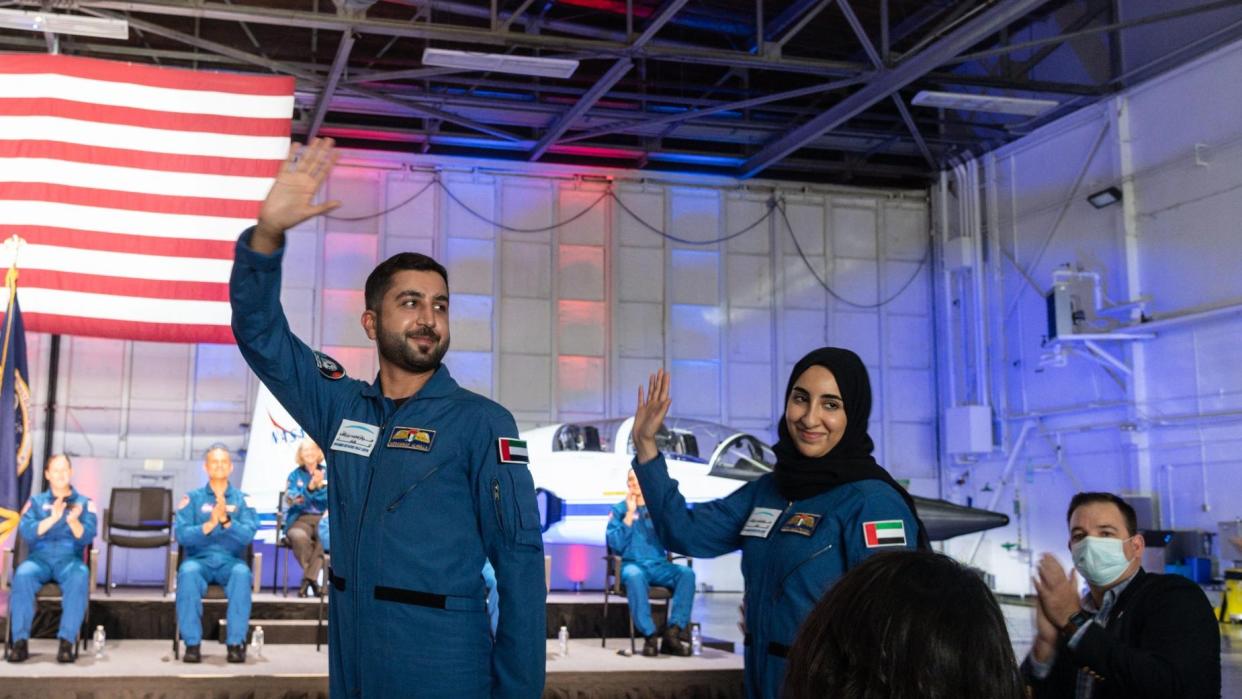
(513, 451)
(888, 532)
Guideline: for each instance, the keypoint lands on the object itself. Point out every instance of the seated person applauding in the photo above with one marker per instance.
(644, 562)
(1133, 634)
(57, 525)
(214, 525)
(306, 497)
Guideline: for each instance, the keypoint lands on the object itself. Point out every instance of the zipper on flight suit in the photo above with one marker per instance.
(362, 513)
(780, 588)
(500, 519)
(392, 507)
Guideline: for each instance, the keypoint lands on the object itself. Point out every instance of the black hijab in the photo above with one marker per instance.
(799, 477)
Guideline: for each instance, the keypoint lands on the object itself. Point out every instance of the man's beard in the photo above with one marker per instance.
(395, 348)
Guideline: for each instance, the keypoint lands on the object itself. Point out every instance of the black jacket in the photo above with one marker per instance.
(1161, 641)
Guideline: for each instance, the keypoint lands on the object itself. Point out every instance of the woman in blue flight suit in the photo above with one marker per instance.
(57, 526)
(826, 507)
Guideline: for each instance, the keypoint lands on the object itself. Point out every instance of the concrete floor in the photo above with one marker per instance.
(716, 612)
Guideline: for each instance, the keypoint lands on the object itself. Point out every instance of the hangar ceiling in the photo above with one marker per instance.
(814, 90)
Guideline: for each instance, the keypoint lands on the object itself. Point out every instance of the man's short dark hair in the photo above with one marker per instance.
(1088, 498)
(380, 279)
(61, 455)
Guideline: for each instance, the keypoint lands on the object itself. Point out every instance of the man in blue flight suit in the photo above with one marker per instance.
(57, 526)
(214, 525)
(428, 479)
(306, 499)
(645, 562)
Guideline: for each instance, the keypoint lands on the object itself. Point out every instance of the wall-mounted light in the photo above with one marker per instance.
(1105, 197)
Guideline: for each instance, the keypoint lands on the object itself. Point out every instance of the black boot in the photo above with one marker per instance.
(18, 652)
(651, 646)
(193, 654)
(65, 653)
(673, 645)
(237, 653)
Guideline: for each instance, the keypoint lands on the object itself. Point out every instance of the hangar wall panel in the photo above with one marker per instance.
(563, 321)
(1173, 429)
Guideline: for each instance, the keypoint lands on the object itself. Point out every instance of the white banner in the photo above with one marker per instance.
(270, 456)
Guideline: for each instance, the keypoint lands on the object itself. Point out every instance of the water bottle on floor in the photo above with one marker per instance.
(100, 639)
(256, 641)
(696, 640)
(563, 637)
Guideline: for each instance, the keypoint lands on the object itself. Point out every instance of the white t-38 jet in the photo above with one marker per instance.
(580, 470)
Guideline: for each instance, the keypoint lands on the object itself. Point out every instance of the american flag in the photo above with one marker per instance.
(129, 184)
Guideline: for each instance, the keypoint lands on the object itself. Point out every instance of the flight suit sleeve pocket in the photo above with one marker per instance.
(524, 496)
(530, 538)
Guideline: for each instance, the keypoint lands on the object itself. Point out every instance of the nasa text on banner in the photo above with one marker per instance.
(129, 184)
(270, 456)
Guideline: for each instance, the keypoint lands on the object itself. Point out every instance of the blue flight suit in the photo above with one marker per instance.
(421, 495)
(301, 499)
(645, 562)
(214, 558)
(792, 552)
(57, 556)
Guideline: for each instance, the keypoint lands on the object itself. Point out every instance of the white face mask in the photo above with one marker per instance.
(1101, 560)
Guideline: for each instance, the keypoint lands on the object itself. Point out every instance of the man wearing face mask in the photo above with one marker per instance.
(1133, 634)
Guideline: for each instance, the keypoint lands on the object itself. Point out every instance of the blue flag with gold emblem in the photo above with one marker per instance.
(15, 438)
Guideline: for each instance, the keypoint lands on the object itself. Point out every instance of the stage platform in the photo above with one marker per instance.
(145, 668)
(146, 614)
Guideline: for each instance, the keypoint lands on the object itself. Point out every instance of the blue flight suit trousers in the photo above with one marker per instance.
(70, 573)
(192, 579)
(638, 575)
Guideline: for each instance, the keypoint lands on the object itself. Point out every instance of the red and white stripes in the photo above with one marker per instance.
(129, 185)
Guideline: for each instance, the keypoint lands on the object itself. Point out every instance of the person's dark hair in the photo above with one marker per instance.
(904, 625)
(380, 278)
(1127, 511)
(53, 457)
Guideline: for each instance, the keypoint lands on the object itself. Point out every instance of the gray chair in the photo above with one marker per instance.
(282, 542)
(137, 518)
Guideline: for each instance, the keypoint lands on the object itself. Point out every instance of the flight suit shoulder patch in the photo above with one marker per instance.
(512, 451)
(328, 367)
(185, 500)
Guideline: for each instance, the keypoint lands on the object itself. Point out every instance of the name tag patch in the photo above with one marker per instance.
(802, 523)
(355, 438)
(760, 522)
(886, 532)
(415, 438)
(513, 451)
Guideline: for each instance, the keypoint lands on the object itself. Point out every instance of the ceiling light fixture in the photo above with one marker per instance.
(1105, 197)
(995, 104)
(54, 23)
(501, 63)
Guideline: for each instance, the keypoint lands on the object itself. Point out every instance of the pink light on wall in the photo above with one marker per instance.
(577, 562)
